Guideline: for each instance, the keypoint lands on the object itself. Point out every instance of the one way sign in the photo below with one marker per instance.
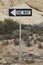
(20, 12)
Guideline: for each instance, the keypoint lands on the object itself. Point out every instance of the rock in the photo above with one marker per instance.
(37, 4)
(36, 16)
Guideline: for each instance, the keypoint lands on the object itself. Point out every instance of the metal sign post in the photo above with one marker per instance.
(20, 12)
(20, 44)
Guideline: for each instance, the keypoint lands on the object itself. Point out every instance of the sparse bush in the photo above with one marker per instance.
(35, 41)
(16, 57)
(29, 61)
(16, 42)
(24, 38)
(28, 44)
(24, 32)
(16, 33)
(40, 46)
(1, 28)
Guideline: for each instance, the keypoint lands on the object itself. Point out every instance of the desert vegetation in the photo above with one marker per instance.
(31, 39)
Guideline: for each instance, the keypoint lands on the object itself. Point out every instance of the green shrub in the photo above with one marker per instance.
(24, 32)
(10, 25)
(16, 33)
(2, 27)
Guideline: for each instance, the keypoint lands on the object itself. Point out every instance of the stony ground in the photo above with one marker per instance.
(30, 55)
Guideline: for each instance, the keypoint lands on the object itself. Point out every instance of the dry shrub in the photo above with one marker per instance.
(16, 42)
(40, 46)
(35, 41)
(28, 44)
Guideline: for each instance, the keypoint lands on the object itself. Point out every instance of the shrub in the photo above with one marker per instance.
(25, 38)
(1, 27)
(16, 42)
(24, 32)
(16, 57)
(35, 41)
(16, 33)
(10, 25)
(40, 46)
(29, 61)
(28, 44)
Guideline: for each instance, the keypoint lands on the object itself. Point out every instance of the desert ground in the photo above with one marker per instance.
(32, 51)
(31, 44)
